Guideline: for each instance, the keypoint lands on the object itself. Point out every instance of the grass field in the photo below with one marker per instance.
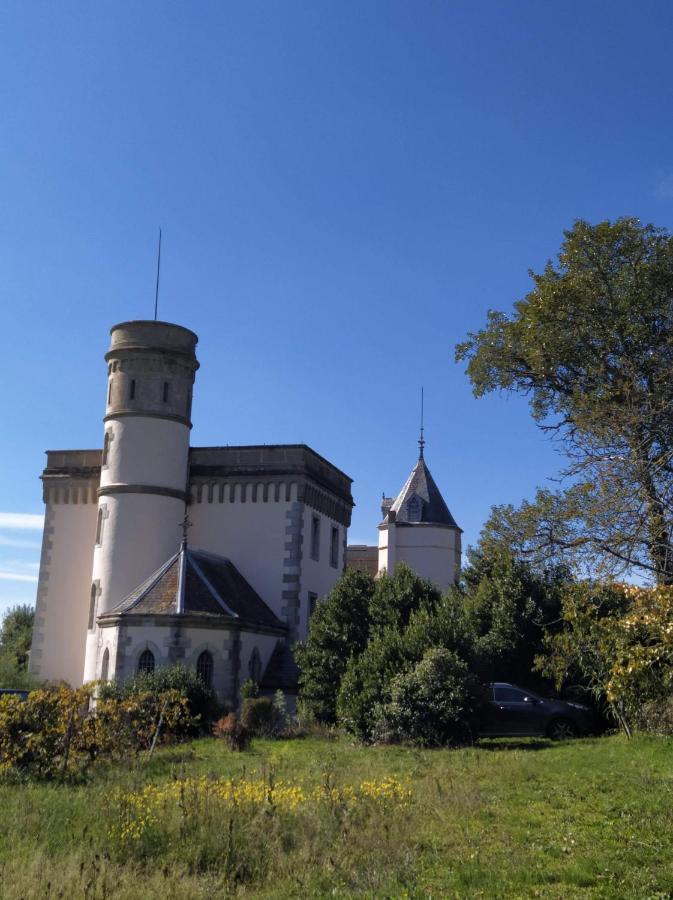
(590, 818)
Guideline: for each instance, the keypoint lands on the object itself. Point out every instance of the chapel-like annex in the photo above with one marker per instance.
(156, 552)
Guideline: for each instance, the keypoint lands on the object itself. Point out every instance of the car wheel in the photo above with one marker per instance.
(561, 730)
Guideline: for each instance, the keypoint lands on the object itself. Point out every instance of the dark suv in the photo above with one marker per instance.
(510, 711)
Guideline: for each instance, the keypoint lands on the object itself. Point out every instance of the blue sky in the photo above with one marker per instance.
(344, 189)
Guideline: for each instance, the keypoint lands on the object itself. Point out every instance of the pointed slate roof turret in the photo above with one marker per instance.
(420, 501)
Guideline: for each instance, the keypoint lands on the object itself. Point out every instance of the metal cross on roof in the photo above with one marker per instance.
(186, 524)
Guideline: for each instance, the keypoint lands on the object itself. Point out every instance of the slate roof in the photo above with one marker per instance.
(420, 501)
(196, 583)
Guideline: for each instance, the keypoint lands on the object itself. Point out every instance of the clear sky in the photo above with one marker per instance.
(344, 189)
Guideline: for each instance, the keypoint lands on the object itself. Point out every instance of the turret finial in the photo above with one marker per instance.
(185, 525)
(421, 440)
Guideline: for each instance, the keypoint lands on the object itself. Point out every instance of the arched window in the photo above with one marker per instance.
(255, 666)
(105, 665)
(146, 661)
(204, 668)
(92, 606)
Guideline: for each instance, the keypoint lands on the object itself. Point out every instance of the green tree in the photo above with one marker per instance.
(339, 629)
(367, 682)
(591, 346)
(510, 608)
(16, 633)
(432, 704)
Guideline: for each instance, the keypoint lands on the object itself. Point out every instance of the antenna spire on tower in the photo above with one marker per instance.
(156, 292)
(421, 440)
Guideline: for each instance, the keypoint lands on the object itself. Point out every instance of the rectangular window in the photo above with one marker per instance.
(315, 537)
(312, 600)
(334, 548)
(132, 389)
(165, 395)
(109, 393)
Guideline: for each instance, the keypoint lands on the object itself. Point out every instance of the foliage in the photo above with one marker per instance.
(582, 819)
(656, 716)
(259, 716)
(366, 685)
(202, 702)
(249, 689)
(397, 596)
(16, 634)
(510, 608)
(432, 704)
(338, 629)
(57, 731)
(234, 734)
(591, 346)
(619, 639)
(145, 819)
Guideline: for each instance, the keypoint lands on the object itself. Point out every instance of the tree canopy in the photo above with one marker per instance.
(591, 347)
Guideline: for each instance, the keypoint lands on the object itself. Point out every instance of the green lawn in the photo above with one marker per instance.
(590, 818)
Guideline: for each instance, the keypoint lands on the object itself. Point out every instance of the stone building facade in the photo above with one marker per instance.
(155, 551)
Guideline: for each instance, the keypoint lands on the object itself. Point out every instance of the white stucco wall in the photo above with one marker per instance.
(140, 533)
(318, 576)
(432, 552)
(148, 451)
(251, 535)
(64, 591)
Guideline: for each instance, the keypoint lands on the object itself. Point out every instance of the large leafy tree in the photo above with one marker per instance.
(591, 346)
(339, 629)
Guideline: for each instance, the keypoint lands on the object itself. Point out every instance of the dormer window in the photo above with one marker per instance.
(414, 508)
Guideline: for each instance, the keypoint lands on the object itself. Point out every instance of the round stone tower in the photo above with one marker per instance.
(144, 465)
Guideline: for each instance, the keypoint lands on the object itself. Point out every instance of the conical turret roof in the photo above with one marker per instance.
(420, 501)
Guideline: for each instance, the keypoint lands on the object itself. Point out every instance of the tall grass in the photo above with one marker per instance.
(504, 819)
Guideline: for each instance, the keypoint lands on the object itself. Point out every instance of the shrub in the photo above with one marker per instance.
(203, 705)
(234, 734)
(433, 704)
(656, 716)
(261, 717)
(56, 731)
(249, 689)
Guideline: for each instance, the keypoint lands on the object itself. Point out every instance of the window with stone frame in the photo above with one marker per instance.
(204, 668)
(146, 662)
(315, 537)
(106, 448)
(92, 606)
(99, 526)
(105, 665)
(334, 547)
(255, 666)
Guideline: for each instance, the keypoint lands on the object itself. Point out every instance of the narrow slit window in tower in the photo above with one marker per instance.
(165, 392)
(106, 448)
(132, 389)
(109, 392)
(99, 527)
(92, 607)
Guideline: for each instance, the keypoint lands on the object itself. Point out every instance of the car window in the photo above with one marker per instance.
(510, 693)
